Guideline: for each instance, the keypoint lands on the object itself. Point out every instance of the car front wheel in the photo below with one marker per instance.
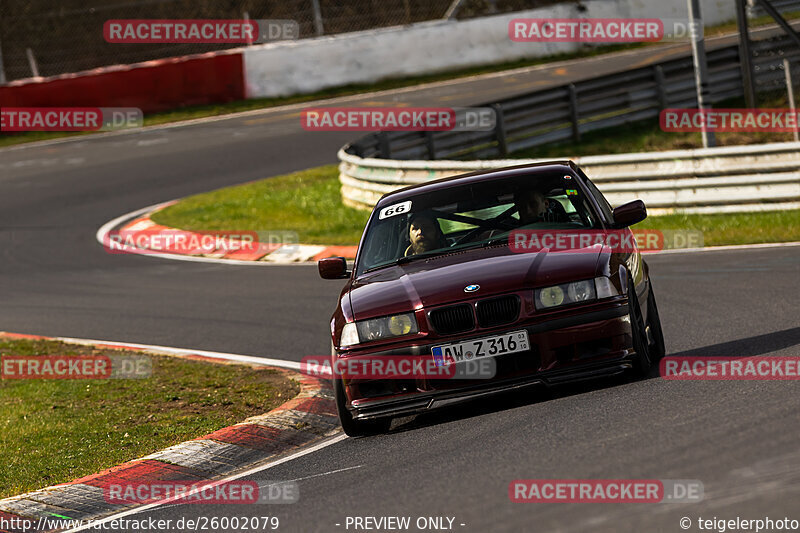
(644, 359)
(351, 426)
(654, 334)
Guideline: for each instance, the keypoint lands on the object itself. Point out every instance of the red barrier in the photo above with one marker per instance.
(152, 86)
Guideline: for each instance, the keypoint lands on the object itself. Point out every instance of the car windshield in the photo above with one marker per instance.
(472, 215)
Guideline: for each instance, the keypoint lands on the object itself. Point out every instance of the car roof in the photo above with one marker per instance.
(532, 169)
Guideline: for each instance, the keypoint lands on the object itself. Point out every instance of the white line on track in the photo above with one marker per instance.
(217, 355)
(111, 224)
(251, 359)
(285, 481)
(326, 473)
(324, 444)
(106, 228)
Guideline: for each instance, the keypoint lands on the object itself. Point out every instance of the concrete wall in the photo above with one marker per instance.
(281, 69)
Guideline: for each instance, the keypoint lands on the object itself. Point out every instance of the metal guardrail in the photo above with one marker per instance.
(783, 6)
(705, 180)
(735, 178)
(568, 111)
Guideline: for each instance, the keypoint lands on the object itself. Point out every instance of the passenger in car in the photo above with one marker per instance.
(533, 207)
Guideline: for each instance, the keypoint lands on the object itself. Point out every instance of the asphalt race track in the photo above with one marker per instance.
(738, 438)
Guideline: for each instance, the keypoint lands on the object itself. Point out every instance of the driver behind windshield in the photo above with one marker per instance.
(424, 234)
(533, 207)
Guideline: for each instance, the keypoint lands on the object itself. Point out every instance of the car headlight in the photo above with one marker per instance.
(565, 294)
(581, 291)
(374, 329)
(575, 292)
(549, 297)
(401, 324)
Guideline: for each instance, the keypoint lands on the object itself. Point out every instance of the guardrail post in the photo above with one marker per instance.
(32, 63)
(2, 70)
(384, 145)
(700, 62)
(500, 130)
(451, 11)
(429, 144)
(246, 17)
(661, 87)
(787, 70)
(318, 26)
(745, 55)
(573, 111)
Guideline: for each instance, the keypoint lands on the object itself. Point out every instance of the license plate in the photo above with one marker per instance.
(447, 354)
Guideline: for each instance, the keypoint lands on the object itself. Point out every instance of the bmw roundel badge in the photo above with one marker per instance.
(471, 288)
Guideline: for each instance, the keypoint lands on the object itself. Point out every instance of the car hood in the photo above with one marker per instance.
(440, 280)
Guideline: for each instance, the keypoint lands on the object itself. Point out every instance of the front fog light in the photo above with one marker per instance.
(604, 287)
(349, 335)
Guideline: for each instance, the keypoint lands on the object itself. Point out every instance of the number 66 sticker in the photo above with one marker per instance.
(395, 209)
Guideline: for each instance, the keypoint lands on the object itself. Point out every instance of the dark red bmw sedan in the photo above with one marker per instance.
(527, 267)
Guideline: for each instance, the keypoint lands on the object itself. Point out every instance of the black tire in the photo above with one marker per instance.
(352, 427)
(657, 348)
(643, 360)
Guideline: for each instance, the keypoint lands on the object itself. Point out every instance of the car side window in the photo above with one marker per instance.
(605, 207)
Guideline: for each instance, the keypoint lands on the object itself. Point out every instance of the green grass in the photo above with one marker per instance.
(733, 228)
(309, 202)
(53, 431)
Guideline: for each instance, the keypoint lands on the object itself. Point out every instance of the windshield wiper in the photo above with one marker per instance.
(496, 241)
(425, 255)
(483, 244)
(409, 258)
(403, 260)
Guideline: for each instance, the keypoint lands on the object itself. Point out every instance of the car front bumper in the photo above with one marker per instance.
(573, 348)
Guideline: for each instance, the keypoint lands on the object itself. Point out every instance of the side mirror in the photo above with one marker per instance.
(629, 214)
(333, 268)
